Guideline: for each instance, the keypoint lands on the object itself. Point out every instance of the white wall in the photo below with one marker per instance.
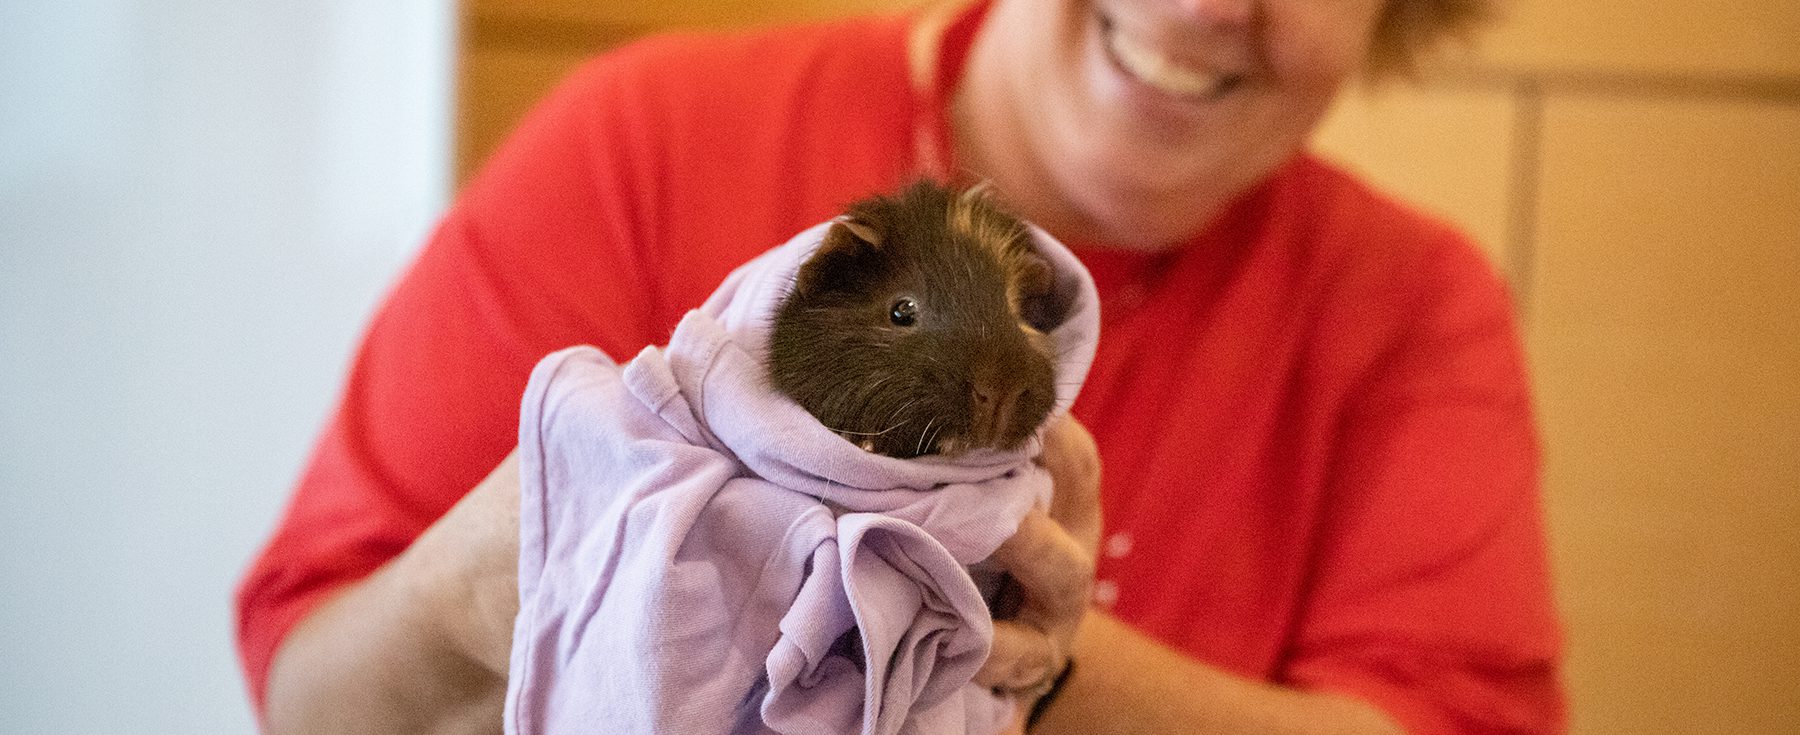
(200, 201)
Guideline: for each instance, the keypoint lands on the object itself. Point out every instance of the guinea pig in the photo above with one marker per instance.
(919, 326)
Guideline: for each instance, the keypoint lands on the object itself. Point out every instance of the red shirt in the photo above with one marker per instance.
(1320, 466)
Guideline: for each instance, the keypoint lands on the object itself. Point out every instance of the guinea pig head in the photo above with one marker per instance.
(919, 327)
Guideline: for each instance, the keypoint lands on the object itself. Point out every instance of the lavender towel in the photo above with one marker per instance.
(696, 549)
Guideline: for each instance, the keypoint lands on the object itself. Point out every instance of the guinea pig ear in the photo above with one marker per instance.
(855, 228)
(1032, 275)
(837, 264)
(1040, 303)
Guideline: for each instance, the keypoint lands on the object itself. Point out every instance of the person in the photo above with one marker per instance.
(1301, 495)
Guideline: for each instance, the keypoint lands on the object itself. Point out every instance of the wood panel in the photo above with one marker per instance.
(1447, 150)
(498, 85)
(1746, 38)
(683, 13)
(515, 50)
(1666, 344)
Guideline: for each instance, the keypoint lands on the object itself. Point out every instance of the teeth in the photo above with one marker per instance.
(1156, 70)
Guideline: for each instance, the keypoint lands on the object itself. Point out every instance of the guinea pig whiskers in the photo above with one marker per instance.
(921, 448)
(934, 435)
(902, 410)
(866, 433)
(847, 433)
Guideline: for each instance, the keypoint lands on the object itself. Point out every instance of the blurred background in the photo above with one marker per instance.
(200, 201)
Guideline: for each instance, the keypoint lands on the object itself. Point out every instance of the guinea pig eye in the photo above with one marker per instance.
(904, 313)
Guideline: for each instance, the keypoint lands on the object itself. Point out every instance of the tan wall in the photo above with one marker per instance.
(1634, 168)
(513, 50)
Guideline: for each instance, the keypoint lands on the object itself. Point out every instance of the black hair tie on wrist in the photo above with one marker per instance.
(1043, 703)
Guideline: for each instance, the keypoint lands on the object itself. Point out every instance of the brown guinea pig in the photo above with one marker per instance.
(918, 326)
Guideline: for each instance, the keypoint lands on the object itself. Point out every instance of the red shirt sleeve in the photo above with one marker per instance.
(1430, 594)
(617, 204)
(537, 254)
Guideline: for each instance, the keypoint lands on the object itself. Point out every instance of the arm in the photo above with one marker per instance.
(1129, 683)
(374, 543)
(1126, 682)
(421, 645)
(1428, 609)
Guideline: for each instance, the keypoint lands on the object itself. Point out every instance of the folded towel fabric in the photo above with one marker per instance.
(700, 555)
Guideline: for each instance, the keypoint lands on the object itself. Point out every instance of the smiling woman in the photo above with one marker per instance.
(1132, 122)
(1307, 399)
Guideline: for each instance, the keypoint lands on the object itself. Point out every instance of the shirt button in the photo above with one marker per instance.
(1118, 545)
(1106, 593)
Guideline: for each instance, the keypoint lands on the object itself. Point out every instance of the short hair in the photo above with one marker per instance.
(1410, 30)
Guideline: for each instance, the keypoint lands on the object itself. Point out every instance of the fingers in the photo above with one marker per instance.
(1021, 658)
(1054, 570)
(1018, 724)
(1055, 574)
(1052, 559)
(1073, 461)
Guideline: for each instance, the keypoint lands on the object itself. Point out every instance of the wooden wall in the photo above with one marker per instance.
(1634, 169)
(514, 50)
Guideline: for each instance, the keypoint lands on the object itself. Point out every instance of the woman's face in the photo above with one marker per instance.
(1142, 104)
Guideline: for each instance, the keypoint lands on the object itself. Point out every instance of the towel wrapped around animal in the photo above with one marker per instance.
(698, 554)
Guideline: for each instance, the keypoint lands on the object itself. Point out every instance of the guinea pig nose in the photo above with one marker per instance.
(994, 406)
